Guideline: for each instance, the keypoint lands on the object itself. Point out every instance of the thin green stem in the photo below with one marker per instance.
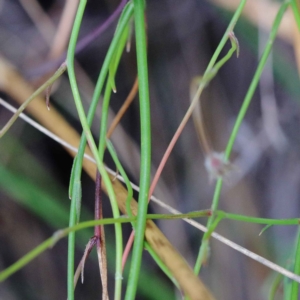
(71, 251)
(226, 35)
(191, 215)
(203, 250)
(255, 79)
(107, 221)
(104, 117)
(67, 231)
(119, 166)
(295, 9)
(124, 20)
(86, 128)
(209, 74)
(50, 242)
(223, 215)
(42, 88)
(141, 49)
(110, 84)
(73, 215)
(75, 178)
(295, 285)
(161, 264)
(238, 123)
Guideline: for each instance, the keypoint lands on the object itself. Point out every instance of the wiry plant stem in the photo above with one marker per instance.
(240, 117)
(140, 32)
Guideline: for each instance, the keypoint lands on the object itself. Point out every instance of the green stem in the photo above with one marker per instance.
(104, 117)
(42, 88)
(140, 32)
(223, 215)
(203, 250)
(161, 264)
(86, 128)
(75, 180)
(73, 215)
(295, 285)
(195, 214)
(255, 79)
(119, 166)
(295, 9)
(124, 20)
(50, 242)
(238, 123)
(225, 36)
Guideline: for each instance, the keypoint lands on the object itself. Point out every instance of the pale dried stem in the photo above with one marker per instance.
(198, 119)
(62, 34)
(101, 253)
(99, 235)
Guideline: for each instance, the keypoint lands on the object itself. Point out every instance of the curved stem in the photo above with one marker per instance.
(238, 123)
(42, 88)
(86, 128)
(209, 74)
(73, 217)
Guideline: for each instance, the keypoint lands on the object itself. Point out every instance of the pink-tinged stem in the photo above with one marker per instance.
(127, 250)
(164, 160)
(174, 139)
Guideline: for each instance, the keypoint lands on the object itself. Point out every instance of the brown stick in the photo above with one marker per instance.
(17, 88)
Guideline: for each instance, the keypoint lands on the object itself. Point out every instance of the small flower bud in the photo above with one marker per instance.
(217, 166)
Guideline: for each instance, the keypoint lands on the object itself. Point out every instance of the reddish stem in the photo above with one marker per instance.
(169, 150)
(127, 249)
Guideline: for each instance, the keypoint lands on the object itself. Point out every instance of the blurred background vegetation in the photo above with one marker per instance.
(182, 36)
